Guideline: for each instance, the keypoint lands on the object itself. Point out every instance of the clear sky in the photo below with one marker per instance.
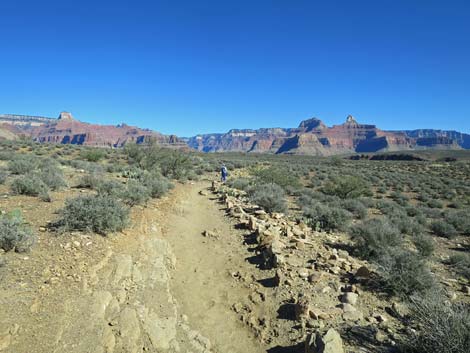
(189, 67)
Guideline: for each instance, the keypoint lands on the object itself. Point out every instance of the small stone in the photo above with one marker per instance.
(466, 290)
(42, 229)
(303, 273)
(315, 277)
(335, 270)
(331, 342)
(380, 317)
(352, 316)
(380, 336)
(5, 342)
(349, 298)
(76, 244)
(362, 272)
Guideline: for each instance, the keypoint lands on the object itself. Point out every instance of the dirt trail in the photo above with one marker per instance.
(203, 280)
(161, 287)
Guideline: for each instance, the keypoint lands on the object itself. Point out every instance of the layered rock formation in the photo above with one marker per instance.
(67, 130)
(313, 137)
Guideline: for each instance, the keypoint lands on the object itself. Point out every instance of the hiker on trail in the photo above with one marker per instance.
(223, 173)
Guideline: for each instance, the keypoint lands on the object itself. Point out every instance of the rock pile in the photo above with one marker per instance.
(313, 274)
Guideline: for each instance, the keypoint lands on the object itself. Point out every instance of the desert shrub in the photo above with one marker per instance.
(109, 187)
(356, 207)
(375, 237)
(97, 213)
(23, 164)
(433, 203)
(92, 155)
(277, 175)
(443, 229)
(134, 173)
(412, 211)
(461, 263)
(459, 219)
(90, 181)
(405, 224)
(3, 176)
(271, 197)
(134, 153)
(323, 217)
(52, 176)
(156, 183)
(405, 273)
(443, 326)
(399, 198)
(171, 163)
(240, 183)
(388, 207)
(135, 193)
(433, 213)
(424, 244)
(347, 187)
(6, 155)
(14, 234)
(32, 185)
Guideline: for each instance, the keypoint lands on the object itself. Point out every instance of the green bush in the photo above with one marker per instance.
(347, 187)
(442, 326)
(23, 164)
(277, 175)
(240, 183)
(157, 184)
(405, 273)
(356, 207)
(433, 203)
(443, 229)
(135, 193)
(460, 220)
(14, 234)
(375, 238)
(90, 181)
(109, 187)
(3, 176)
(171, 163)
(424, 244)
(97, 213)
(52, 176)
(32, 185)
(93, 155)
(323, 217)
(461, 263)
(271, 197)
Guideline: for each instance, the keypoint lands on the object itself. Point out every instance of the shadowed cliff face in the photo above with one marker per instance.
(313, 137)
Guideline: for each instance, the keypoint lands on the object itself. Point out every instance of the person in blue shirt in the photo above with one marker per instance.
(223, 173)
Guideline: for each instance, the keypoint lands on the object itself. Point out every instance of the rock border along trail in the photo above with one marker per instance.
(168, 284)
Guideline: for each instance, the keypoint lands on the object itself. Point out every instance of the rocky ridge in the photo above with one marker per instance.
(66, 130)
(313, 137)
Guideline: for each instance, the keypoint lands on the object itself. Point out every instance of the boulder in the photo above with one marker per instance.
(362, 272)
(331, 342)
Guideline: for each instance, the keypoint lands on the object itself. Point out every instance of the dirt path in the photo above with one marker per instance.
(160, 287)
(203, 281)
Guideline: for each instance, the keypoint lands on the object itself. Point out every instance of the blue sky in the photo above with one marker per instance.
(189, 67)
